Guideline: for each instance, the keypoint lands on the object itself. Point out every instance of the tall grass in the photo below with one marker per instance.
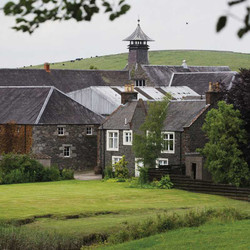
(19, 237)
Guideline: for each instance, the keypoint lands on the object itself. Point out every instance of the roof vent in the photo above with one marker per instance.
(184, 64)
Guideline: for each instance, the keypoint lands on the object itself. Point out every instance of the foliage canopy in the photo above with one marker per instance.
(223, 127)
(147, 144)
(239, 96)
(30, 14)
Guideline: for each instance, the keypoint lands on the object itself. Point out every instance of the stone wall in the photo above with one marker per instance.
(84, 147)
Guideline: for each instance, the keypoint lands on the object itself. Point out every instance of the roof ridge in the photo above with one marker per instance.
(25, 87)
(204, 72)
(44, 105)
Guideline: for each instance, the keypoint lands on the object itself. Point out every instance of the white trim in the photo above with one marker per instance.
(63, 130)
(44, 105)
(113, 158)
(171, 79)
(137, 166)
(70, 151)
(91, 131)
(107, 140)
(160, 159)
(169, 151)
(124, 137)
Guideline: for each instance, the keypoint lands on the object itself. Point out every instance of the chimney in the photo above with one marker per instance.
(46, 67)
(214, 94)
(184, 64)
(129, 94)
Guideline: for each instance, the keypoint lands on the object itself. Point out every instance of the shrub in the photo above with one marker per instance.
(165, 182)
(121, 170)
(67, 174)
(118, 170)
(143, 178)
(108, 172)
(22, 169)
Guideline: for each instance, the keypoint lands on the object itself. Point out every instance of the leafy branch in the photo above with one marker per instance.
(30, 14)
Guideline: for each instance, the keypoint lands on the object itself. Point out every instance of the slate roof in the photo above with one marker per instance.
(138, 35)
(64, 80)
(117, 119)
(161, 75)
(180, 114)
(42, 105)
(199, 82)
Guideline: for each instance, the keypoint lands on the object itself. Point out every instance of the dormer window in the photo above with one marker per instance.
(140, 83)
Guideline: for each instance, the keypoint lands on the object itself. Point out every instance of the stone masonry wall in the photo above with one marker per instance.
(84, 147)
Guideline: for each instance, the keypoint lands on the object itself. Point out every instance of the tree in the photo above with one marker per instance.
(239, 96)
(148, 143)
(223, 127)
(29, 14)
(222, 21)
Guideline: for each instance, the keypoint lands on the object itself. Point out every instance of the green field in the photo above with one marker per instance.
(81, 208)
(99, 205)
(164, 57)
(233, 235)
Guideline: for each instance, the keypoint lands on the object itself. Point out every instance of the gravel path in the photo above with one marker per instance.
(87, 176)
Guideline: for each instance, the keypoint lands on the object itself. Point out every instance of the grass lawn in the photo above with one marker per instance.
(163, 57)
(94, 206)
(234, 235)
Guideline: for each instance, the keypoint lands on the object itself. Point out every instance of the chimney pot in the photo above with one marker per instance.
(129, 94)
(47, 67)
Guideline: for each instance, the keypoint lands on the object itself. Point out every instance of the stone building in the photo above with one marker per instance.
(46, 121)
(181, 132)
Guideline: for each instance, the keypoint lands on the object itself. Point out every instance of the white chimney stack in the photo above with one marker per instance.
(184, 64)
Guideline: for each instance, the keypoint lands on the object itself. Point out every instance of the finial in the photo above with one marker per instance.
(138, 20)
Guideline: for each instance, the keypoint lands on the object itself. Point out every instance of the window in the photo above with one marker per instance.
(115, 159)
(112, 140)
(60, 131)
(161, 162)
(168, 142)
(89, 131)
(66, 151)
(127, 137)
(138, 165)
(140, 83)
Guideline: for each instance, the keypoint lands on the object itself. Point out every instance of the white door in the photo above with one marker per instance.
(138, 165)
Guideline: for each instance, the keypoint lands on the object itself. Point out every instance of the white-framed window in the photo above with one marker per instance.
(60, 131)
(138, 165)
(66, 151)
(89, 131)
(127, 137)
(112, 140)
(161, 162)
(115, 159)
(168, 142)
(140, 83)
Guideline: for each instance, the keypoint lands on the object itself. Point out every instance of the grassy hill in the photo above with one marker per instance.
(162, 57)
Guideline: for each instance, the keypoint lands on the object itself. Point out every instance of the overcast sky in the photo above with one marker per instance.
(162, 20)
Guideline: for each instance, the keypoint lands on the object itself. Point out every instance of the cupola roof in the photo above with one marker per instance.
(138, 35)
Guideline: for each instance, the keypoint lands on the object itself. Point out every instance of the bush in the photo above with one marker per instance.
(121, 170)
(165, 182)
(23, 169)
(143, 178)
(67, 174)
(108, 172)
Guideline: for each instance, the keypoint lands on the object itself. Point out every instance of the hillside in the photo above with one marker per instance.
(161, 57)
